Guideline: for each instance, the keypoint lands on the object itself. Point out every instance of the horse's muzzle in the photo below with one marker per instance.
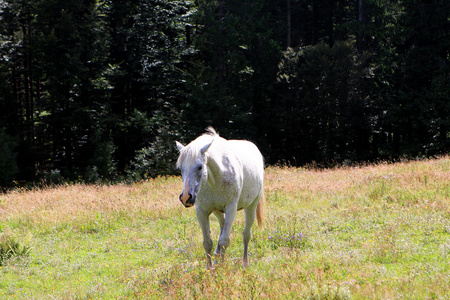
(189, 202)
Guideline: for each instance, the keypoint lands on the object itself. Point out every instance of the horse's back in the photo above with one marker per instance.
(248, 154)
(252, 164)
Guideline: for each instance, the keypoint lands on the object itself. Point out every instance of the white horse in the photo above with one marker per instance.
(222, 176)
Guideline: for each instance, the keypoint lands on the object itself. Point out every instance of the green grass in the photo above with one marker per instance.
(377, 231)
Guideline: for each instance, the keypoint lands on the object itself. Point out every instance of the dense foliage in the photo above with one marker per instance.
(95, 90)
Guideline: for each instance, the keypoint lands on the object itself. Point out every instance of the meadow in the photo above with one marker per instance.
(373, 231)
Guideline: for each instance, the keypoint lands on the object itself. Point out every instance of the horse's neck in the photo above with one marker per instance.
(214, 169)
(222, 165)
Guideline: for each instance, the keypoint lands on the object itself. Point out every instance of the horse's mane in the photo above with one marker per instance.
(192, 150)
(211, 131)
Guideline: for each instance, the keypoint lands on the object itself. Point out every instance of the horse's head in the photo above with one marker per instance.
(192, 163)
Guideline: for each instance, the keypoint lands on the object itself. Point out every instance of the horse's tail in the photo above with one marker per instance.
(260, 211)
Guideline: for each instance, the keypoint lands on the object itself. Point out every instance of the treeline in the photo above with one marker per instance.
(99, 90)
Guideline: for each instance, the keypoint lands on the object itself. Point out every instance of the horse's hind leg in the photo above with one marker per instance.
(221, 218)
(250, 215)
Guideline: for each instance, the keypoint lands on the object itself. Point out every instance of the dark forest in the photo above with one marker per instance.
(97, 91)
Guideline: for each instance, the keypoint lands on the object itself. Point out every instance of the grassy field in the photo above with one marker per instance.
(377, 231)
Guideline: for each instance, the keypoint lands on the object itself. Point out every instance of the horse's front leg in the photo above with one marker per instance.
(224, 239)
(203, 220)
(221, 218)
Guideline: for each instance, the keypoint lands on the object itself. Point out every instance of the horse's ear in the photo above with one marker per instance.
(206, 147)
(179, 146)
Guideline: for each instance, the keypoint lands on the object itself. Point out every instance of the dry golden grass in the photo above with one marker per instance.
(341, 178)
(66, 203)
(429, 180)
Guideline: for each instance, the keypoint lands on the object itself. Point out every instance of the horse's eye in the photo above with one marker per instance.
(200, 168)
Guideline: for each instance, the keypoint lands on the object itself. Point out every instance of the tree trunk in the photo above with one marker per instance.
(315, 29)
(362, 23)
(221, 48)
(288, 23)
